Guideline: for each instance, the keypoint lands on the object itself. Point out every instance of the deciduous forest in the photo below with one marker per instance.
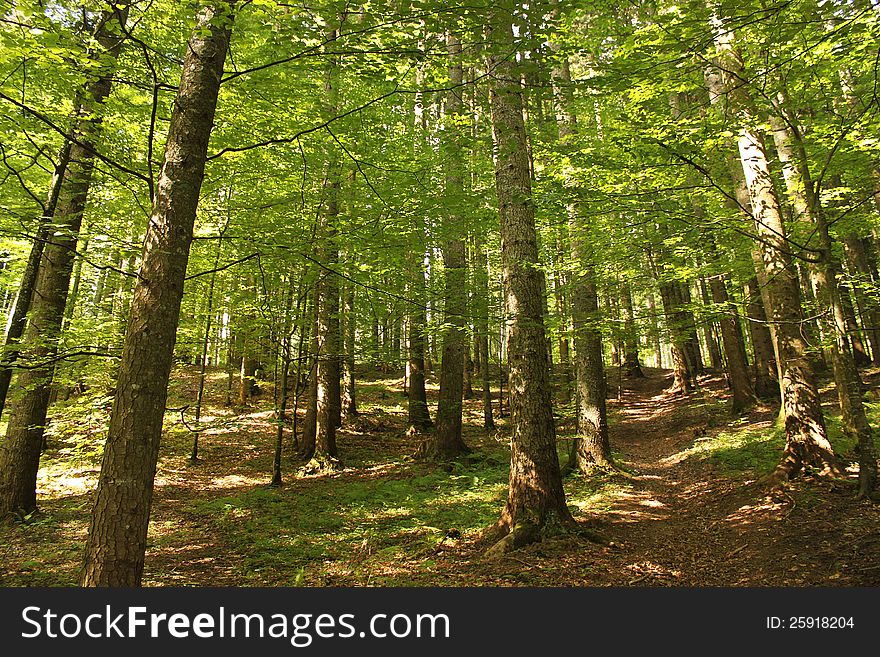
(409, 292)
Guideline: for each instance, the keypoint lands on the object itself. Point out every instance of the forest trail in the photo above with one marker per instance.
(686, 520)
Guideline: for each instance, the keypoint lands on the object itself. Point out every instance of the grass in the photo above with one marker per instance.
(381, 521)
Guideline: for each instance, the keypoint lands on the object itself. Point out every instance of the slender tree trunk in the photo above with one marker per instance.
(536, 500)
(655, 328)
(349, 397)
(203, 361)
(631, 365)
(326, 455)
(481, 279)
(20, 452)
(710, 330)
(447, 442)
(560, 291)
(114, 554)
(824, 274)
(864, 272)
(281, 385)
(417, 407)
(743, 396)
(590, 447)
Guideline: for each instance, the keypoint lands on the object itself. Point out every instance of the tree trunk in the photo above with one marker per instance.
(824, 274)
(18, 317)
(710, 331)
(655, 328)
(679, 324)
(631, 365)
(20, 453)
(114, 554)
(864, 275)
(806, 436)
(590, 447)
(481, 280)
(247, 379)
(447, 442)
(743, 396)
(536, 499)
(349, 397)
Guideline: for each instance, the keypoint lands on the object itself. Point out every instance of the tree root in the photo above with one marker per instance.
(525, 533)
(430, 450)
(320, 464)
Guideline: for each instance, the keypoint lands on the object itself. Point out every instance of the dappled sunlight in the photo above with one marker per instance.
(769, 507)
(56, 482)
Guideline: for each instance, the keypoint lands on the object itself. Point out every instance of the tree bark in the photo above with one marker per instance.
(536, 500)
(18, 316)
(481, 279)
(864, 274)
(447, 442)
(631, 363)
(349, 392)
(114, 554)
(824, 274)
(591, 447)
(806, 436)
(20, 451)
(743, 396)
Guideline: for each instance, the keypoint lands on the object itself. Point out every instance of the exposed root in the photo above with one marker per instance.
(522, 534)
(320, 464)
(525, 533)
(431, 449)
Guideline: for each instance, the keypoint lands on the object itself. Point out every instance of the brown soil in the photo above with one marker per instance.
(685, 524)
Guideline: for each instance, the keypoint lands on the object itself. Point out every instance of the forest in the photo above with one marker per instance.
(421, 293)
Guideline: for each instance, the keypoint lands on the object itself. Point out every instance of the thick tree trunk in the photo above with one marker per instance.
(20, 451)
(114, 554)
(447, 442)
(247, 378)
(536, 499)
(679, 323)
(824, 274)
(806, 436)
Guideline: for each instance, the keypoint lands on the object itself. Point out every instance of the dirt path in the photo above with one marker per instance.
(682, 522)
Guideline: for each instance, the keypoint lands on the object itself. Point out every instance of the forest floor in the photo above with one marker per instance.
(692, 513)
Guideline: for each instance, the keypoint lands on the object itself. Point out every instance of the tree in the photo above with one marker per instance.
(806, 435)
(447, 442)
(536, 500)
(20, 457)
(114, 554)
